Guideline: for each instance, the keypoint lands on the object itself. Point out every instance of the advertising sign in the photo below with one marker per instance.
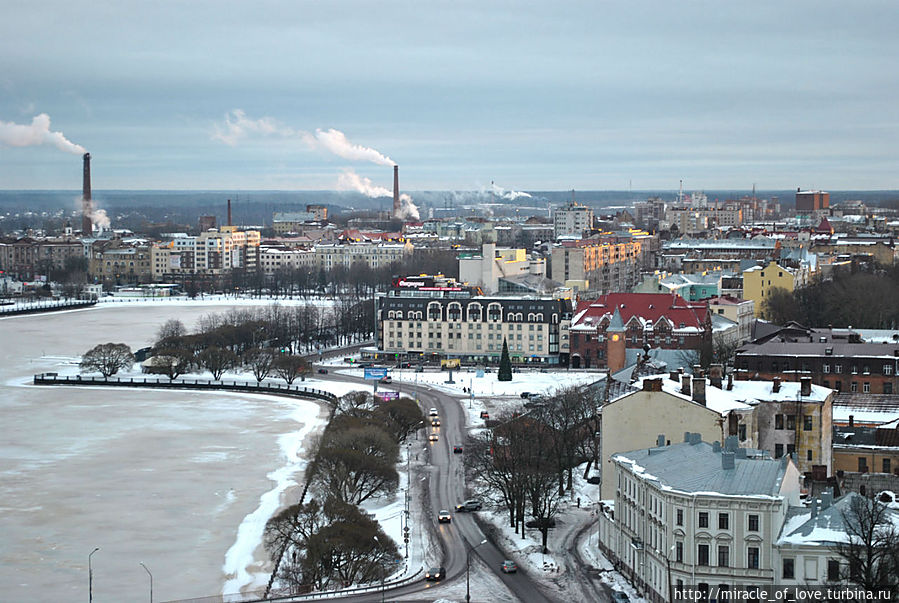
(375, 373)
(388, 395)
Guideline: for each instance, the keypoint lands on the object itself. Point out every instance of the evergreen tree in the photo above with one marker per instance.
(505, 365)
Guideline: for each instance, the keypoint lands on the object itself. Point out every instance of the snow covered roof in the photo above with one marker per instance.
(827, 527)
(696, 468)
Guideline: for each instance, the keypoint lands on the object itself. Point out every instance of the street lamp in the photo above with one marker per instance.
(90, 576)
(375, 538)
(151, 579)
(468, 570)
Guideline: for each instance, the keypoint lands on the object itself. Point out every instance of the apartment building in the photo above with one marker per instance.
(740, 311)
(444, 319)
(278, 257)
(759, 282)
(834, 358)
(371, 253)
(601, 266)
(484, 270)
(120, 263)
(210, 254)
(27, 257)
(695, 514)
(573, 220)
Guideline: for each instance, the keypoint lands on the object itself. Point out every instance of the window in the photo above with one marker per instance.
(853, 387)
(838, 368)
(788, 569)
(791, 448)
(866, 387)
(886, 465)
(807, 423)
(854, 369)
(679, 552)
(838, 385)
(824, 369)
(888, 388)
(808, 455)
(702, 554)
(862, 464)
(752, 557)
(833, 570)
(778, 450)
(741, 431)
(887, 369)
(753, 523)
(680, 517)
(703, 519)
(723, 556)
(723, 521)
(791, 422)
(778, 421)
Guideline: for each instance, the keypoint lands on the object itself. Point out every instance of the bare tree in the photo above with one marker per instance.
(356, 463)
(870, 554)
(217, 360)
(107, 359)
(289, 367)
(171, 328)
(259, 361)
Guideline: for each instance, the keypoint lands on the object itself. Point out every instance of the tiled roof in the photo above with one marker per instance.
(645, 306)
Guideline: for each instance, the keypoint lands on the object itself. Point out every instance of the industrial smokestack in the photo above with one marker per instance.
(87, 227)
(229, 212)
(396, 191)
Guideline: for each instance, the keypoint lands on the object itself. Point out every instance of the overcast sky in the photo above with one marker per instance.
(534, 96)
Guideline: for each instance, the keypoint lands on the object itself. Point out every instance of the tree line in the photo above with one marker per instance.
(329, 542)
(864, 300)
(525, 462)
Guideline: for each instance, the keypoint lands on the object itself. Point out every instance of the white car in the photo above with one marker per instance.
(433, 412)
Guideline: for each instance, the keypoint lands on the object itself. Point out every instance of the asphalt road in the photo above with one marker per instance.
(446, 490)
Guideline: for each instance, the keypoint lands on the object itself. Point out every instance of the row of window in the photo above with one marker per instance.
(790, 422)
(723, 520)
(887, 386)
(886, 466)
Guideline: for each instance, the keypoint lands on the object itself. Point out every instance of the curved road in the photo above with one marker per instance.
(446, 490)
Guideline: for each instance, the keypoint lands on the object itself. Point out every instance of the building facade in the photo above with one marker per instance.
(606, 267)
(573, 220)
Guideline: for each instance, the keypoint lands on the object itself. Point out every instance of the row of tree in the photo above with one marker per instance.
(329, 542)
(864, 300)
(525, 462)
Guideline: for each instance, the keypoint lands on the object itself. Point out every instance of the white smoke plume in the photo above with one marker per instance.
(100, 220)
(351, 181)
(36, 134)
(408, 209)
(238, 126)
(504, 194)
(336, 142)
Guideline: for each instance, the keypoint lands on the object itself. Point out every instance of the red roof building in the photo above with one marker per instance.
(659, 320)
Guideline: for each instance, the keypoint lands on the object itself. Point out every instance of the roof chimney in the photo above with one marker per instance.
(727, 460)
(730, 381)
(826, 499)
(685, 384)
(814, 508)
(716, 446)
(660, 441)
(716, 375)
(775, 385)
(674, 376)
(805, 386)
(229, 212)
(851, 420)
(652, 385)
(699, 390)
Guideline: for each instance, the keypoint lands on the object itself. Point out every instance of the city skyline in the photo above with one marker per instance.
(215, 96)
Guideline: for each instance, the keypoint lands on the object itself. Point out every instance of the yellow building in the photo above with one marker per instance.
(760, 281)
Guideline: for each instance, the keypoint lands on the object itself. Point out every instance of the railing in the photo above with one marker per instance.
(202, 384)
(48, 306)
(327, 594)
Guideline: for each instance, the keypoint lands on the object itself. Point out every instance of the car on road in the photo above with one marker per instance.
(444, 516)
(435, 422)
(433, 437)
(387, 379)
(433, 412)
(525, 395)
(620, 597)
(509, 567)
(457, 450)
(322, 371)
(435, 573)
(472, 504)
(485, 414)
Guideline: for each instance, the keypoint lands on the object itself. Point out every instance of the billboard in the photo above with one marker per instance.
(388, 395)
(374, 373)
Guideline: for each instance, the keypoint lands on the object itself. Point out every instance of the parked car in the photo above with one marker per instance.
(594, 479)
(435, 573)
(322, 371)
(433, 437)
(457, 450)
(485, 414)
(525, 395)
(509, 567)
(444, 516)
(620, 597)
(469, 505)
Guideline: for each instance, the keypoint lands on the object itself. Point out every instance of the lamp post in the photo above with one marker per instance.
(151, 579)
(468, 570)
(90, 576)
(375, 538)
